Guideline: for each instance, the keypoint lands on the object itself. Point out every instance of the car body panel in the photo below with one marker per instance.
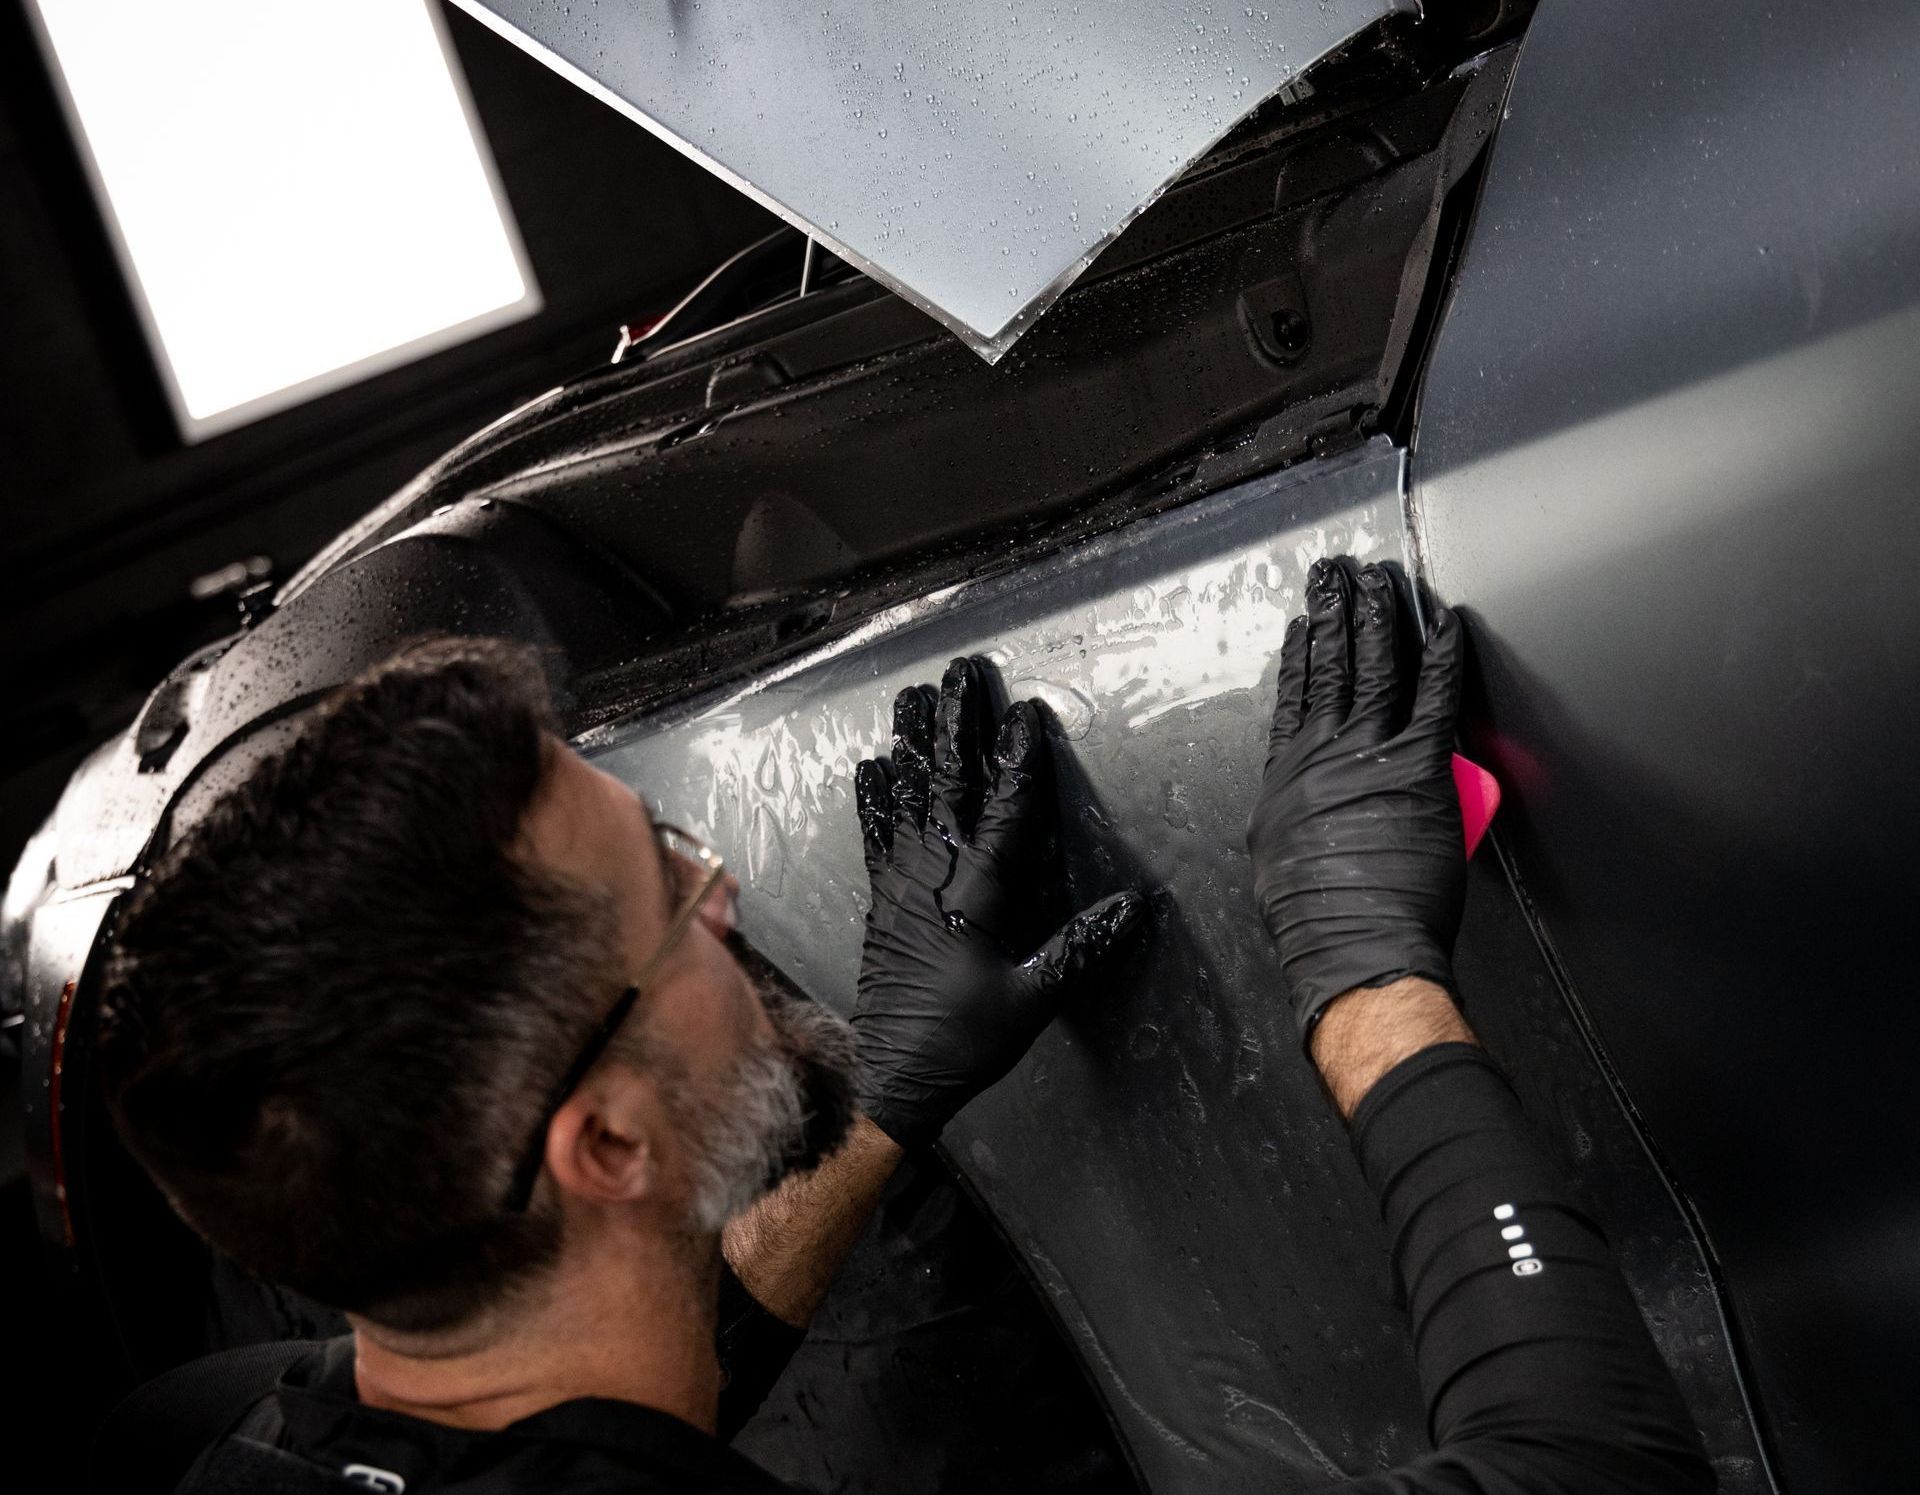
(974, 159)
(1164, 1160)
(1679, 512)
(1150, 1108)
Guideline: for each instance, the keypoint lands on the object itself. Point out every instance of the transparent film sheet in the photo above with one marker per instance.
(975, 156)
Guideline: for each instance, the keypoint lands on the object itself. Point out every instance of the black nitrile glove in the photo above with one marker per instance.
(955, 983)
(1358, 859)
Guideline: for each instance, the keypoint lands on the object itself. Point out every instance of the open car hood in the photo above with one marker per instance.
(973, 158)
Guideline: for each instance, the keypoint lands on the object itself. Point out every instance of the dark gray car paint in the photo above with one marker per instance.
(1667, 460)
(1164, 1161)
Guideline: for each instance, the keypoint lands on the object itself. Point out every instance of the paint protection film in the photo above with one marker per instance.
(1162, 1159)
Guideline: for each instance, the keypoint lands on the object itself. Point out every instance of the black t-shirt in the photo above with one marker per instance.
(313, 1432)
(1539, 1376)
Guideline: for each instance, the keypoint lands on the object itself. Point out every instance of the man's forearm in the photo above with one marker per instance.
(782, 1255)
(1365, 1033)
(790, 1246)
(1537, 1368)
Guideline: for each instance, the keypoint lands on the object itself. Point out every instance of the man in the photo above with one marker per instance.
(434, 1022)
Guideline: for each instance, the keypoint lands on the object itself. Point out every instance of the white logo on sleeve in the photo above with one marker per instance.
(1519, 1250)
(383, 1480)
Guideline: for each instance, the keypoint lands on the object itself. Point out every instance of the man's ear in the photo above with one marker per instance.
(604, 1144)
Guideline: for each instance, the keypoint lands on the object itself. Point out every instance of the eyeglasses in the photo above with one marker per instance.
(676, 846)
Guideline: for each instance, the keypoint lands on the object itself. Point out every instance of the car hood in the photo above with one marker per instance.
(974, 158)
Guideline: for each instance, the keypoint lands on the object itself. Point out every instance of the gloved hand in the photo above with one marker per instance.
(955, 983)
(1355, 837)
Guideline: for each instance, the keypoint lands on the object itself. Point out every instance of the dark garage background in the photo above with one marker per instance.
(110, 519)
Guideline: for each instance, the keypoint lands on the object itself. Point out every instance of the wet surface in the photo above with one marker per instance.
(973, 158)
(932, 1367)
(1163, 1160)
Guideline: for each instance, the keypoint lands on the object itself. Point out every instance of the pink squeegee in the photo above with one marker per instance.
(1479, 795)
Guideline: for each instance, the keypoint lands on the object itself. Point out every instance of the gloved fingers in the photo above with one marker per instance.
(1436, 705)
(873, 798)
(1083, 942)
(960, 745)
(1292, 702)
(1376, 670)
(1330, 644)
(1021, 795)
(913, 713)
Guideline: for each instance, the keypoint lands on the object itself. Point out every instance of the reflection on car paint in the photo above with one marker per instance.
(1153, 646)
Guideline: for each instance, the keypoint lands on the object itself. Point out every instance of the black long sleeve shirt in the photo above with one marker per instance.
(1539, 1376)
(1538, 1373)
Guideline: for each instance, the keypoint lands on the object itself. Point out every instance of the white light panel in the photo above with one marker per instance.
(298, 189)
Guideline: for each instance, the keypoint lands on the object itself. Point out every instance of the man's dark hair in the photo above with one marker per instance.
(332, 1012)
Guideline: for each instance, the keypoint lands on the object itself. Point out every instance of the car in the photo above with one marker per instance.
(1601, 323)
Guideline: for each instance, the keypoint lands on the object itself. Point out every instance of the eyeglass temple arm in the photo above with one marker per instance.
(521, 1192)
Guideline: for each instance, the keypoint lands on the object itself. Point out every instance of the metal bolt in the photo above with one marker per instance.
(1291, 332)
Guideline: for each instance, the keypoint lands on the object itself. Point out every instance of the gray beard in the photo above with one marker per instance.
(783, 1106)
